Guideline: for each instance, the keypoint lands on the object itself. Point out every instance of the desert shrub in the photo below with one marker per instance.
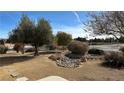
(16, 47)
(63, 38)
(77, 47)
(122, 49)
(95, 51)
(30, 50)
(114, 59)
(3, 49)
(19, 47)
(52, 46)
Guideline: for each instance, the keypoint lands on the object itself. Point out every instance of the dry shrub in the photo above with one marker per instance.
(95, 51)
(19, 47)
(77, 47)
(114, 59)
(3, 49)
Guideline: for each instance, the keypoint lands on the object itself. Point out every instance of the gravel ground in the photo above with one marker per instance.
(39, 67)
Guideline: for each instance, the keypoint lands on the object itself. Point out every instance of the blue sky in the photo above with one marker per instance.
(68, 21)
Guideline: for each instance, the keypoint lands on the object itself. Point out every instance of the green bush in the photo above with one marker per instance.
(3, 49)
(114, 59)
(77, 47)
(95, 51)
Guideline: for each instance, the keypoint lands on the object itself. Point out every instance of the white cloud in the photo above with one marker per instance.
(75, 31)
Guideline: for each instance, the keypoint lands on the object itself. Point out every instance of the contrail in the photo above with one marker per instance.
(79, 19)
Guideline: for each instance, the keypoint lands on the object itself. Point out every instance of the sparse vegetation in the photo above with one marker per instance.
(36, 37)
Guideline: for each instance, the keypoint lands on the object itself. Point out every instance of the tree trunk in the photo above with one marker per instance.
(36, 51)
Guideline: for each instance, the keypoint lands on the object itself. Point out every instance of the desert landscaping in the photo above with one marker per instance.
(31, 52)
(35, 68)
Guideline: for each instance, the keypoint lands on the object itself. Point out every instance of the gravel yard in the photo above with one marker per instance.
(35, 68)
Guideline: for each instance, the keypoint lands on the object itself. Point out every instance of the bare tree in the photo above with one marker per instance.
(107, 23)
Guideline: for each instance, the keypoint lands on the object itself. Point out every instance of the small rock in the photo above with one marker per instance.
(22, 79)
(14, 74)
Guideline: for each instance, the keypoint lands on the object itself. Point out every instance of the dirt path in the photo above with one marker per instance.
(40, 67)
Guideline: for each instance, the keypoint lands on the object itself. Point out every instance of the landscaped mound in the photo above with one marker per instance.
(74, 57)
(64, 61)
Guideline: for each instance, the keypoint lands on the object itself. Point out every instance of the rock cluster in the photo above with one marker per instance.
(67, 62)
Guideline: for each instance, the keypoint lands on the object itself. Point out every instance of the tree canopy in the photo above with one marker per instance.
(27, 32)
